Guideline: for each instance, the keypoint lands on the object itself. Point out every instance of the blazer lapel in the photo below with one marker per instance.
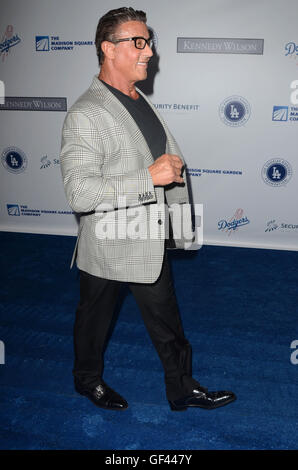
(120, 113)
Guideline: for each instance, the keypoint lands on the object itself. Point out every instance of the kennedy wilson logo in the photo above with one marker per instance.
(220, 45)
(26, 103)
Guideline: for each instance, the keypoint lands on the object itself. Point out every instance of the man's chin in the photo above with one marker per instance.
(142, 76)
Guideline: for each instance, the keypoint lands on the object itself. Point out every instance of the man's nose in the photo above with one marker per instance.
(148, 51)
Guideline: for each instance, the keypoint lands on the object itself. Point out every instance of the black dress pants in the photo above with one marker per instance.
(157, 302)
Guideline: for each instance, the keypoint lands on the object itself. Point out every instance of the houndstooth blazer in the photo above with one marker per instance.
(104, 163)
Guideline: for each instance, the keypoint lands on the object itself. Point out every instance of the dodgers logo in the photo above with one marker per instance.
(291, 48)
(231, 225)
(8, 40)
(14, 160)
(277, 172)
(234, 111)
(280, 113)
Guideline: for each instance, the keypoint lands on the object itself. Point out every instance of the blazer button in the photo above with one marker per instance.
(159, 221)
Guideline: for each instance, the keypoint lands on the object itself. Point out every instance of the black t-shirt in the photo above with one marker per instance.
(146, 120)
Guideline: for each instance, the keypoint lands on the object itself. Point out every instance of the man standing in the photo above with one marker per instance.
(118, 156)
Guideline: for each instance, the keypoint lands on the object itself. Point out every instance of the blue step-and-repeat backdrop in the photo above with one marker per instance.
(225, 78)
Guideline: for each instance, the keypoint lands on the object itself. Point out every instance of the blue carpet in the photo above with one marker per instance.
(239, 311)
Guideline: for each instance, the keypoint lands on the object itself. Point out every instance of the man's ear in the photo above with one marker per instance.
(108, 48)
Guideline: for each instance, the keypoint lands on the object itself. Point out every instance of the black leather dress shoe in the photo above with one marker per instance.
(200, 397)
(103, 396)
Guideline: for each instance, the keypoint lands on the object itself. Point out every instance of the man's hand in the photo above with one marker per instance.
(166, 170)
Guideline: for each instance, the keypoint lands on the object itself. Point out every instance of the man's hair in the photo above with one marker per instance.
(108, 24)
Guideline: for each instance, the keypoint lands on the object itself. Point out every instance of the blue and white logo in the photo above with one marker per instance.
(277, 172)
(8, 40)
(282, 227)
(54, 43)
(45, 162)
(234, 111)
(285, 113)
(280, 113)
(231, 225)
(14, 160)
(291, 48)
(13, 209)
(271, 226)
(42, 43)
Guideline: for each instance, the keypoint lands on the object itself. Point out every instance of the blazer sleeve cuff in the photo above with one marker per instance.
(129, 190)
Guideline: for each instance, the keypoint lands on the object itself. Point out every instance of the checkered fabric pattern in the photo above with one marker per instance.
(104, 162)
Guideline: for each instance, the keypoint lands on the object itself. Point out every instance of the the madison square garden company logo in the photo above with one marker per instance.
(288, 113)
(53, 43)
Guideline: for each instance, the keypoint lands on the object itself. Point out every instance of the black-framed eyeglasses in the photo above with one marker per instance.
(140, 42)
